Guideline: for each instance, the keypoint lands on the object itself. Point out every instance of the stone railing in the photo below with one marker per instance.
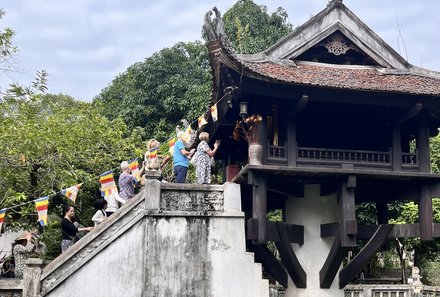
(377, 290)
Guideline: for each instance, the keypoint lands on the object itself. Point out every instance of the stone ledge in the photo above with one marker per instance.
(191, 187)
(11, 284)
(220, 214)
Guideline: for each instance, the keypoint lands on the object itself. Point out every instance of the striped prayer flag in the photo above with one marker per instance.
(107, 180)
(2, 217)
(171, 143)
(186, 137)
(214, 113)
(152, 153)
(134, 167)
(108, 191)
(71, 192)
(201, 121)
(107, 183)
(41, 204)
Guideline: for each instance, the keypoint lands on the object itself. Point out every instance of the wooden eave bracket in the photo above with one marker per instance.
(270, 263)
(356, 265)
(332, 263)
(289, 259)
(412, 112)
(283, 235)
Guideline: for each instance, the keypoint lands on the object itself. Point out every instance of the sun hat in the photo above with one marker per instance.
(23, 236)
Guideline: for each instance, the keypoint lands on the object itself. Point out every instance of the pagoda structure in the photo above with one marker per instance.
(346, 120)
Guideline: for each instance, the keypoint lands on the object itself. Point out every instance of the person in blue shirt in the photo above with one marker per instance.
(180, 160)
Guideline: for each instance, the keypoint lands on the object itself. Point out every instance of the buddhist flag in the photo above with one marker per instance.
(107, 192)
(201, 121)
(214, 113)
(41, 204)
(71, 192)
(171, 143)
(152, 153)
(2, 217)
(186, 137)
(107, 183)
(134, 167)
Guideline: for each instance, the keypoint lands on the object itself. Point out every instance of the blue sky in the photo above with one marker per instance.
(84, 44)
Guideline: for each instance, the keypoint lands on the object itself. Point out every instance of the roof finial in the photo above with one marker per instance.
(335, 2)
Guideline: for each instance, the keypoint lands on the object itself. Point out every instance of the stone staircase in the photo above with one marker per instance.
(169, 240)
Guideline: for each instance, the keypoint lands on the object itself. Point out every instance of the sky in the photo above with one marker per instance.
(85, 44)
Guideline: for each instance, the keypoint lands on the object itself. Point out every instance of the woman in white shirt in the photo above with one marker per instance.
(100, 214)
(113, 201)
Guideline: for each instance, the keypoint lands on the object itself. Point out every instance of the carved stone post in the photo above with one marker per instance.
(32, 277)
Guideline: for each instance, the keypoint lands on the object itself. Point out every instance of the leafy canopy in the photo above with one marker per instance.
(251, 29)
(51, 142)
(175, 83)
(156, 94)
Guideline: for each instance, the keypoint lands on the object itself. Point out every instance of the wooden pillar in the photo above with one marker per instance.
(347, 214)
(259, 204)
(423, 154)
(292, 150)
(382, 213)
(425, 213)
(397, 148)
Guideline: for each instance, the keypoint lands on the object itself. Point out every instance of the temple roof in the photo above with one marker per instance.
(353, 78)
(333, 49)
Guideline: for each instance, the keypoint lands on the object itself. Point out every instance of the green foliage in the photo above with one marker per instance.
(251, 29)
(7, 49)
(156, 94)
(431, 274)
(51, 142)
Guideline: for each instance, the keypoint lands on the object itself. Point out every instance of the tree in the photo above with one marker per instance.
(7, 49)
(175, 83)
(156, 94)
(51, 142)
(251, 29)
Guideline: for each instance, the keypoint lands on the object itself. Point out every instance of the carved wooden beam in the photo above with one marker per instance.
(412, 112)
(361, 259)
(270, 263)
(290, 261)
(295, 233)
(365, 232)
(332, 263)
(292, 190)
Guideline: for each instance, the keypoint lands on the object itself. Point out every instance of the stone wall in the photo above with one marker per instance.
(170, 240)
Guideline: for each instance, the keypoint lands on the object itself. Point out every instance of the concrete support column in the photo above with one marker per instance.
(312, 210)
(32, 277)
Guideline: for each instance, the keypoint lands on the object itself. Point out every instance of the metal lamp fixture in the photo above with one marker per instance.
(243, 109)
